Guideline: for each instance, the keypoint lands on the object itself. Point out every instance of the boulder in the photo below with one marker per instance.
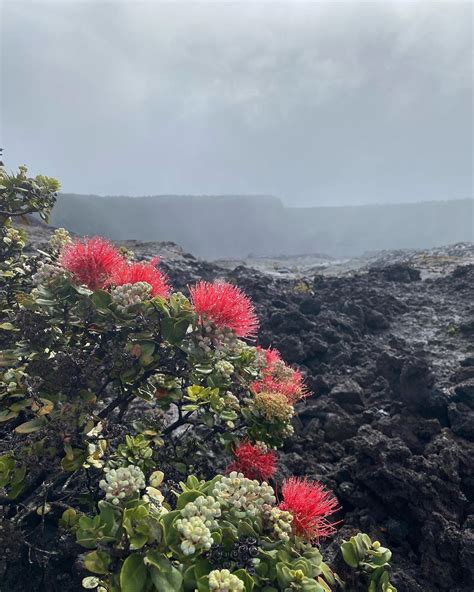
(347, 391)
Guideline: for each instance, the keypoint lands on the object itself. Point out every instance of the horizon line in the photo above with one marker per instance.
(285, 204)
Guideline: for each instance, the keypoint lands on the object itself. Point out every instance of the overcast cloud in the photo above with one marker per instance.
(318, 103)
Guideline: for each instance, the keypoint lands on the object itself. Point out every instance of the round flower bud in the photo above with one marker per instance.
(224, 368)
(206, 507)
(195, 534)
(59, 240)
(47, 273)
(130, 294)
(221, 580)
(122, 483)
(273, 406)
(237, 493)
(281, 523)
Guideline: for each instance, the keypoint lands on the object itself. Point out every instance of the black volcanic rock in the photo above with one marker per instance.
(375, 319)
(461, 418)
(397, 272)
(310, 306)
(389, 425)
(347, 391)
(467, 327)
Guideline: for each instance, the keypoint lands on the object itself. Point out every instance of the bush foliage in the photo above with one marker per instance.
(141, 425)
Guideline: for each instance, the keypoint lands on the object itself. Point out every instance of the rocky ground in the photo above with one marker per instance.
(387, 344)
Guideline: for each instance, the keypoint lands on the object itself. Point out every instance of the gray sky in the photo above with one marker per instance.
(318, 103)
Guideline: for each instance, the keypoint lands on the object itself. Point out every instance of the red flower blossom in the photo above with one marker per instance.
(254, 461)
(91, 261)
(131, 273)
(278, 377)
(292, 389)
(311, 505)
(271, 356)
(226, 306)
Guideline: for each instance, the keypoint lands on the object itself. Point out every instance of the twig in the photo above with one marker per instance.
(31, 546)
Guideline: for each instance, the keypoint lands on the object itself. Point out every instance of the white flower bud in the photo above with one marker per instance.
(221, 580)
(47, 273)
(281, 523)
(224, 368)
(130, 294)
(59, 239)
(122, 483)
(195, 534)
(237, 492)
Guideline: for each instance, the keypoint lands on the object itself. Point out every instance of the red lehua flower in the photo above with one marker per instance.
(278, 377)
(254, 461)
(132, 273)
(311, 505)
(226, 306)
(91, 261)
(271, 356)
(293, 390)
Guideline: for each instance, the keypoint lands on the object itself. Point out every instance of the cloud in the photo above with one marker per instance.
(316, 102)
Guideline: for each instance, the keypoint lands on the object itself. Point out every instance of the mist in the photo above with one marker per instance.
(245, 226)
(319, 104)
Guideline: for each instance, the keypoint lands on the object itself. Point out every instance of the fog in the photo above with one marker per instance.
(315, 103)
(241, 226)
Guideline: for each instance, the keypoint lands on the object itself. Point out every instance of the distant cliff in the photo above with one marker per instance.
(236, 226)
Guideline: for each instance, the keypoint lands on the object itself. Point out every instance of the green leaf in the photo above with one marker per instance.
(208, 419)
(133, 575)
(244, 528)
(284, 575)
(101, 299)
(73, 460)
(199, 568)
(174, 331)
(349, 554)
(246, 579)
(44, 302)
(68, 519)
(6, 415)
(147, 348)
(165, 577)
(158, 560)
(190, 407)
(324, 585)
(328, 574)
(192, 483)
(97, 562)
(108, 517)
(169, 533)
(186, 497)
(20, 405)
(31, 426)
(134, 523)
(313, 586)
(14, 479)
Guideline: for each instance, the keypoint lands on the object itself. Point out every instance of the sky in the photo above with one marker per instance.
(317, 103)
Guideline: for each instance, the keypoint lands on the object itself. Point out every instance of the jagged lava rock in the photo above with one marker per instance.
(388, 355)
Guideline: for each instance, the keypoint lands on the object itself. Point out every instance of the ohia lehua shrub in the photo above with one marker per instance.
(143, 424)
